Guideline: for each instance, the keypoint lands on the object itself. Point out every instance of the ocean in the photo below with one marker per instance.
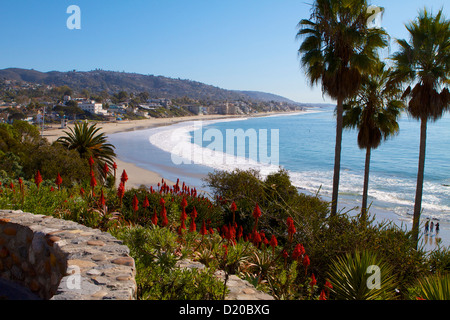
(303, 144)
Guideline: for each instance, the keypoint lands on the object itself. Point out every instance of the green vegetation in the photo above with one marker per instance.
(285, 243)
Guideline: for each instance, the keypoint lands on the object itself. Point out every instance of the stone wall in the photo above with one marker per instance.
(62, 260)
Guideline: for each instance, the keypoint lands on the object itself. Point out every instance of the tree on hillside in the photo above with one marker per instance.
(337, 49)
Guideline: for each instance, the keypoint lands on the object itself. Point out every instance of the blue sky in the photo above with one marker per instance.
(232, 44)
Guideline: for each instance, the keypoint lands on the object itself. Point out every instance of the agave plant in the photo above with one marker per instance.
(436, 287)
(352, 275)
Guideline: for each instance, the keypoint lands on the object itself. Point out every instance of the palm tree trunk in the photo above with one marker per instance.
(419, 187)
(337, 156)
(366, 183)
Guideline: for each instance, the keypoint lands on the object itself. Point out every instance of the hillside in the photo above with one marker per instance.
(157, 86)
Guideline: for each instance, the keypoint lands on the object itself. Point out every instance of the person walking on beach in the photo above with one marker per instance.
(427, 224)
(437, 228)
(431, 226)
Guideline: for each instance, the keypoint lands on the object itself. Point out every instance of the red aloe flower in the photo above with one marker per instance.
(121, 191)
(306, 261)
(58, 180)
(194, 213)
(21, 186)
(82, 192)
(192, 226)
(313, 281)
(51, 188)
(322, 295)
(146, 203)
(155, 217)
(124, 177)
(38, 178)
(102, 200)
(256, 212)
(184, 203)
(135, 203)
(105, 170)
(162, 202)
(93, 183)
(233, 209)
(299, 250)
(183, 215)
(291, 228)
(91, 162)
(203, 230)
(273, 243)
(165, 221)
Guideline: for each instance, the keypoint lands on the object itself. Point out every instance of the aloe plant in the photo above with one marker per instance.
(351, 276)
(436, 287)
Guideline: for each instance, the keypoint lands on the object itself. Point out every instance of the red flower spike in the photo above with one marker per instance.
(93, 182)
(233, 207)
(102, 199)
(82, 192)
(322, 295)
(121, 191)
(313, 281)
(306, 261)
(192, 226)
(165, 221)
(135, 203)
(162, 202)
(184, 203)
(194, 213)
(105, 169)
(38, 178)
(58, 180)
(203, 230)
(256, 212)
(273, 243)
(91, 161)
(155, 217)
(124, 177)
(146, 203)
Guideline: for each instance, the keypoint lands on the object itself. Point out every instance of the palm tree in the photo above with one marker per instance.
(87, 140)
(424, 62)
(337, 48)
(374, 112)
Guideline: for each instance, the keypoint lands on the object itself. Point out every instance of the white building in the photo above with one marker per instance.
(91, 106)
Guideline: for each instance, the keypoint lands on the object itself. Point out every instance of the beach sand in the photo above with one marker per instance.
(138, 176)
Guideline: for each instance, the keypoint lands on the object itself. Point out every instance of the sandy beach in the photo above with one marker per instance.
(137, 175)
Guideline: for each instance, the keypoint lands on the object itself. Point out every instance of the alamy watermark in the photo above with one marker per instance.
(229, 149)
(74, 20)
(374, 280)
(376, 16)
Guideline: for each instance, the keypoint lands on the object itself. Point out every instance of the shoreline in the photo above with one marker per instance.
(137, 175)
